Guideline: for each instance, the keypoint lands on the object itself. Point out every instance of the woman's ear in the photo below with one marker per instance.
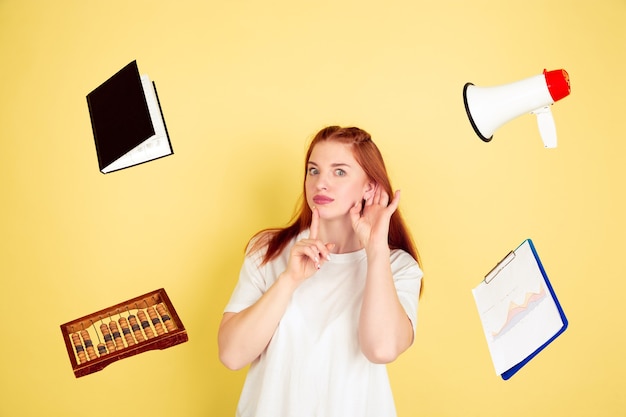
(369, 190)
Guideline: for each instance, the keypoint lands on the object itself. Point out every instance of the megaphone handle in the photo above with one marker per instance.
(547, 128)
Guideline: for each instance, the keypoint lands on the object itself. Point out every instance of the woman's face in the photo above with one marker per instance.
(335, 181)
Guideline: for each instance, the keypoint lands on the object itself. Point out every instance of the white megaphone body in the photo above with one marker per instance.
(488, 108)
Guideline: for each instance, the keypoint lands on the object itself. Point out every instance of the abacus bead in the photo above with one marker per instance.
(156, 321)
(117, 337)
(136, 328)
(108, 338)
(80, 351)
(129, 337)
(169, 324)
(145, 324)
(161, 309)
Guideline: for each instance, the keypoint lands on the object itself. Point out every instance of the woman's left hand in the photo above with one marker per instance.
(370, 220)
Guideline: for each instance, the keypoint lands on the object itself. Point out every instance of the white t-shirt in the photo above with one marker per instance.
(313, 366)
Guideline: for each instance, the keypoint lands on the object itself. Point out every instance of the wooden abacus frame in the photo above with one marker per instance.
(174, 336)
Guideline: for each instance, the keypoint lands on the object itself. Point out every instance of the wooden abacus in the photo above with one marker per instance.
(146, 322)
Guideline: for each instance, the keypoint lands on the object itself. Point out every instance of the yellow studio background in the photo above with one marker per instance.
(244, 85)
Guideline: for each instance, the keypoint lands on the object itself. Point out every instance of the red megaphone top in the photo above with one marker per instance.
(558, 83)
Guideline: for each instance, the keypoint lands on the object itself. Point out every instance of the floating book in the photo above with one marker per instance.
(127, 121)
(518, 309)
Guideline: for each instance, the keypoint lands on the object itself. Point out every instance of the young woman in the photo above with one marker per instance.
(322, 305)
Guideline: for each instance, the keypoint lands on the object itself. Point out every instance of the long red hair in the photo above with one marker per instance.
(369, 157)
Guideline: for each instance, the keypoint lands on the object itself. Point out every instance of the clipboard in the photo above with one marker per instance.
(519, 310)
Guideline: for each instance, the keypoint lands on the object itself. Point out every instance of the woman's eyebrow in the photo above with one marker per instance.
(333, 165)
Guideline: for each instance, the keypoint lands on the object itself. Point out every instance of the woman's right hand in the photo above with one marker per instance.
(243, 336)
(308, 255)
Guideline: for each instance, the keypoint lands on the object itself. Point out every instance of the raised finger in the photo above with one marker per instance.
(315, 223)
(395, 202)
(383, 199)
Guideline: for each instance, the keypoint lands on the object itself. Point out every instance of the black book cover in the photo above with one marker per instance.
(120, 116)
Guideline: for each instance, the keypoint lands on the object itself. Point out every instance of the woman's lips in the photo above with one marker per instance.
(322, 199)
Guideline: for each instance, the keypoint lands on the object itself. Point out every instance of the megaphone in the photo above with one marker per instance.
(488, 108)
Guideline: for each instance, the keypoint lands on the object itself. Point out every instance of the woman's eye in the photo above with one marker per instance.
(313, 171)
(340, 172)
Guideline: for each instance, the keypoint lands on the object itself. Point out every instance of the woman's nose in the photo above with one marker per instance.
(322, 183)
